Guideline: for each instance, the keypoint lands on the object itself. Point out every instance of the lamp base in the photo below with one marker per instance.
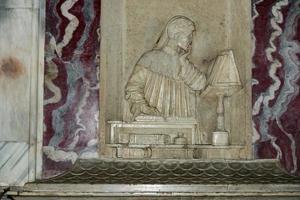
(220, 138)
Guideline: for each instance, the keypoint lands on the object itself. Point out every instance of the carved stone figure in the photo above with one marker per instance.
(173, 89)
(164, 81)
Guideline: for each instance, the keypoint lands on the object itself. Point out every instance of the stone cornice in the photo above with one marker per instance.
(119, 171)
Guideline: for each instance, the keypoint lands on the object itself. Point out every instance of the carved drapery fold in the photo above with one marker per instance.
(162, 86)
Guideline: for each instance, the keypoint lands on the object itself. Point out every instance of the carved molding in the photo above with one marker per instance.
(109, 171)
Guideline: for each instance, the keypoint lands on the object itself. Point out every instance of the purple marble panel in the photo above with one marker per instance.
(276, 72)
(71, 89)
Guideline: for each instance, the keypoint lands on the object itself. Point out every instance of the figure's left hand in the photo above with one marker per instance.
(148, 110)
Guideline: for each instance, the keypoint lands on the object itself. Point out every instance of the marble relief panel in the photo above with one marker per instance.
(155, 65)
(71, 83)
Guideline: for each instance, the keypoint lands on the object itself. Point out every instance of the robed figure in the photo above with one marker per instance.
(164, 82)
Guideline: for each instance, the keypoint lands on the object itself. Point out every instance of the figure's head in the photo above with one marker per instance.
(179, 29)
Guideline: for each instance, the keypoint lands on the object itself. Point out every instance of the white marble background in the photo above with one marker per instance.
(20, 88)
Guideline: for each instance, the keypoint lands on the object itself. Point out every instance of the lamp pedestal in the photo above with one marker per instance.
(220, 136)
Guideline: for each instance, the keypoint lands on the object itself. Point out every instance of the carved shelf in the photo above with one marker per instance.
(121, 171)
(189, 146)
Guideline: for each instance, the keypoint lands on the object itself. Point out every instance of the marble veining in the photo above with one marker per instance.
(276, 81)
(13, 163)
(71, 83)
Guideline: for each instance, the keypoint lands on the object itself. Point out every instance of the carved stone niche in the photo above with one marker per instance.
(175, 79)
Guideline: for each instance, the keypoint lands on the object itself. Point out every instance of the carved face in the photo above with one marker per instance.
(184, 40)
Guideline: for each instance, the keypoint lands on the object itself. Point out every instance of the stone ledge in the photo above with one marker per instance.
(169, 171)
(167, 179)
(158, 190)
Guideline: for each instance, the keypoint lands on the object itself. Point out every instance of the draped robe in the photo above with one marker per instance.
(159, 81)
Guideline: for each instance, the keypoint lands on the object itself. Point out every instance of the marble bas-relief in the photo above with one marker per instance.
(170, 105)
(165, 82)
(162, 93)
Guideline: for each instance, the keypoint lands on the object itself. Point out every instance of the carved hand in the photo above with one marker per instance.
(184, 62)
(138, 108)
(149, 110)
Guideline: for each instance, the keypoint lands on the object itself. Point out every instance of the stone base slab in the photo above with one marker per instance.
(166, 179)
(158, 191)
